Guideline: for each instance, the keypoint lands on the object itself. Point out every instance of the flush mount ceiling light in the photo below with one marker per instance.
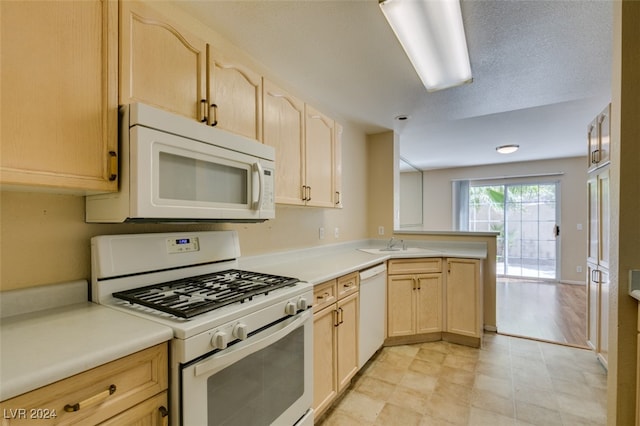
(507, 149)
(432, 35)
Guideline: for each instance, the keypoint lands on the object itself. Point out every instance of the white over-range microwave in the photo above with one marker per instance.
(173, 168)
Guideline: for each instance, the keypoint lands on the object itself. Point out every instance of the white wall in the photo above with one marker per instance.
(573, 201)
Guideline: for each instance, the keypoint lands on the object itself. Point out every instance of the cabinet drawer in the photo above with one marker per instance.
(135, 378)
(324, 294)
(151, 412)
(348, 284)
(415, 266)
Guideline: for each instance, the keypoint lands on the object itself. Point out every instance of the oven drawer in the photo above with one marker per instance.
(100, 393)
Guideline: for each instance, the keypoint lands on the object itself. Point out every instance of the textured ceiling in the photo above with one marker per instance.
(541, 71)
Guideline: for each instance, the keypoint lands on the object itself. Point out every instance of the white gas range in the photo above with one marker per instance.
(242, 346)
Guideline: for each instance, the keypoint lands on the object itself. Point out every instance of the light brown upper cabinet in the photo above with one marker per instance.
(320, 146)
(161, 64)
(284, 131)
(307, 145)
(59, 95)
(235, 96)
(598, 135)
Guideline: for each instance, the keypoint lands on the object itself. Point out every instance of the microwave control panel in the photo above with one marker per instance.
(182, 245)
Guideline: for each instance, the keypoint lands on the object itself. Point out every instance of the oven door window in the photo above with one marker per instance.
(259, 388)
(253, 382)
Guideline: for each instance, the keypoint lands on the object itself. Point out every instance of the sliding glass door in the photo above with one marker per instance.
(526, 215)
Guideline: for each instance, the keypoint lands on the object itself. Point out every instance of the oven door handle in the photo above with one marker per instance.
(233, 354)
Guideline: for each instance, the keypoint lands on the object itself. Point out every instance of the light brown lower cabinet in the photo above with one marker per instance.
(432, 298)
(464, 297)
(335, 339)
(129, 390)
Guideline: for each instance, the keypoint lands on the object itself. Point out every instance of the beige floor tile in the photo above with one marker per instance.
(500, 387)
(447, 409)
(509, 381)
(394, 415)
(536, 415)
(480, 417)
(374, 388)
(410, 398)
(492, 402)
(426, 367)
(418, 382)
(360, 407)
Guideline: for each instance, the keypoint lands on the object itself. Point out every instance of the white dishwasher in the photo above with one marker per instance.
(373, 296)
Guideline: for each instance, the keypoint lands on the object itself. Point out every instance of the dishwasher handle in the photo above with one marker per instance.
(372, 272)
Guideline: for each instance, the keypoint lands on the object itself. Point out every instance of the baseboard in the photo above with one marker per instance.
(491, 328)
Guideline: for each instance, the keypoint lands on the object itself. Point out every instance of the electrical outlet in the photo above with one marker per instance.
(579, 227)
(578, 268)
(321, 233)
(336, 232)
(380, 230)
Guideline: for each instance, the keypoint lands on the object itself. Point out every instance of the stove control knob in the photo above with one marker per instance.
(240, 331)
(290, 308)
(219, 340)
(303, 305)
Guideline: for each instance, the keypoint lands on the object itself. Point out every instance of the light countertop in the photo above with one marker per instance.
(42, 347)
(319, 264)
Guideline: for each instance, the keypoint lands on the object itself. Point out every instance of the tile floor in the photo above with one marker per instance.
(509, 381)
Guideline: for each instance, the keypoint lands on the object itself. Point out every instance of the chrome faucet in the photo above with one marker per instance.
(392, 243)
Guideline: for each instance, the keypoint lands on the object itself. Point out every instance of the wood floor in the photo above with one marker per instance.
(547, 311)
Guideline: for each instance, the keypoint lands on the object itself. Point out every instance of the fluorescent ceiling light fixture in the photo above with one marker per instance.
(507, 149)
(432, 35)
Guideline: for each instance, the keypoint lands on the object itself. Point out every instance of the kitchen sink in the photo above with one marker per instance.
(400, 250)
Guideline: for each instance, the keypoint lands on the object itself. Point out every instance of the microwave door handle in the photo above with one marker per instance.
(257, 167)
(233, 354)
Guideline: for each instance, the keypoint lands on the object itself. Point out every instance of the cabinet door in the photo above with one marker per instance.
(603, 327)
(347, 339)
(235, 96)
(161, 64)
(603, 218)
(593, 233)
(337, 180)
(59, 94)
(463, 297)
(604, 144)
(429, 303)
(401, 305)
(325, 386)
(319, 152)
(592, 142)
(593, 303)
(284, 130)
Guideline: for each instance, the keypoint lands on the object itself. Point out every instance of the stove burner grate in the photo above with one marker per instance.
(192, 296)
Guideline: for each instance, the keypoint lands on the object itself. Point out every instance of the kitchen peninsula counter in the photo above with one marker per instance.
(320, 264)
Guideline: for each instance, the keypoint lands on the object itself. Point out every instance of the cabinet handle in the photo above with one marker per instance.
(163, 413)
(336, 318)
(214, 115)
(113, 166)
(304, 192)
(341, 315)
(91, 400)
(414, 282)
(309, 193)
(203, 111)
(338, 201)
